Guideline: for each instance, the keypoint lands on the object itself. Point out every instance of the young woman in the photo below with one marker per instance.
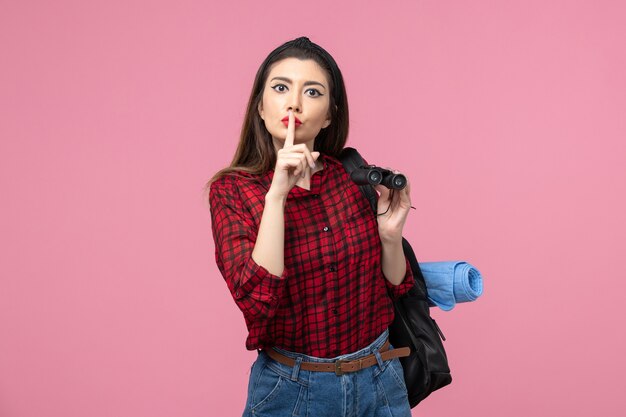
(309, 264)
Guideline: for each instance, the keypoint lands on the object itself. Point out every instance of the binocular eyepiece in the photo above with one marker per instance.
(373, 175)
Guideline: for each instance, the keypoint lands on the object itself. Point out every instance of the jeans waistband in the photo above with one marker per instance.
(375, 345)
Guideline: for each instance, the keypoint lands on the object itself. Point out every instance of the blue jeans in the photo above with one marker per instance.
(277, 390)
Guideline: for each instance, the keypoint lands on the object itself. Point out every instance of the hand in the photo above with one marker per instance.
(293, 162)
(395, 204)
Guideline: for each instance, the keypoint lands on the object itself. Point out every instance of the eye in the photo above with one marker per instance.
(280, 88)
(316, 92)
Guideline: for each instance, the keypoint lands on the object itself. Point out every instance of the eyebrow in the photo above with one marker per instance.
(287, 80)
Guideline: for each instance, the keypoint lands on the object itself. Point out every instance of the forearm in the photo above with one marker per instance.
(269, 249)
(393, 262)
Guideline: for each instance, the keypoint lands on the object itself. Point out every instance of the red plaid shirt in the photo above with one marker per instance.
(332, 297)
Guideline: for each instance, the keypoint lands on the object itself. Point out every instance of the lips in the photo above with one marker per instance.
(286, 121)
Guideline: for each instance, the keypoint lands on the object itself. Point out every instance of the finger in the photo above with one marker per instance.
(300, 156)
(308, 163)
(396, 199)
(403, 198)
(305, 166)
(294, 165)
(383, 191)
(407, 190)
(307, 153)
(315, 155)
(291, 129)
(301, 165)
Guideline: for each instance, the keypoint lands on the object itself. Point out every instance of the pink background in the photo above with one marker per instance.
(508, 117)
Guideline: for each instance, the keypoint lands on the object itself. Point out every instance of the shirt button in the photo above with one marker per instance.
(316, 195)
(325, 228)
(332, 268)
(334, 311)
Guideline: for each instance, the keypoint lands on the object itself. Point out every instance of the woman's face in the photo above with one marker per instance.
(299, 85)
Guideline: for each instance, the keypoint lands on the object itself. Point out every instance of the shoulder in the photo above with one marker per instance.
(226, 186)
(223, 185)
(234, 179)
(336, 171)
(335, 161)
(236, 185)
(333, 164)
(331, 160)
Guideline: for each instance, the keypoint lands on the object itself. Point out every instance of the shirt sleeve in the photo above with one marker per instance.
(396, 291)
(256, 291)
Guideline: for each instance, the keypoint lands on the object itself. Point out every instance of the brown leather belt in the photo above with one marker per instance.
(340, 367)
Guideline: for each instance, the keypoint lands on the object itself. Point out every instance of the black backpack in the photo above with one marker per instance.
(426, 368)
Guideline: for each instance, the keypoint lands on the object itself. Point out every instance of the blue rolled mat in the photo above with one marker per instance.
(451, 282)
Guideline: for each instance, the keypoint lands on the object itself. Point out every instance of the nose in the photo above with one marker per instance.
(294, 102)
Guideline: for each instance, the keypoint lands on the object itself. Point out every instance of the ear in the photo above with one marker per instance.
(260, 110)
(328, 119)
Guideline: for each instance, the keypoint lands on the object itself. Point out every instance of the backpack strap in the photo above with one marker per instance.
(351, 160)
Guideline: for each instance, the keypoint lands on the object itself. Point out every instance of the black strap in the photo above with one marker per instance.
(352, 159)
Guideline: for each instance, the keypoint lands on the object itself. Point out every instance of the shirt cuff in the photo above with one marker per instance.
(260, 285)
(396, 291)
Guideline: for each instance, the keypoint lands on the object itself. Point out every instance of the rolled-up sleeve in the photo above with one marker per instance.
(396, 291)
(256, 291)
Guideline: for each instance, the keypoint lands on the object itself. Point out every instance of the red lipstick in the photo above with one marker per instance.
(286, 121)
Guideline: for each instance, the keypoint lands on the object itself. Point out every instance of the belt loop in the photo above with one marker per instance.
(379, 359)
(296, 369)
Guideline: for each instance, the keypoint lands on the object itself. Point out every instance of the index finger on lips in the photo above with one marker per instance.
(291, 129)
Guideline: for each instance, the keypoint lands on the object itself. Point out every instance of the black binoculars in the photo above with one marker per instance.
(372, 175)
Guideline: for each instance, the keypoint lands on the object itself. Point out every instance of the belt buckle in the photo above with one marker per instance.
(338, 370)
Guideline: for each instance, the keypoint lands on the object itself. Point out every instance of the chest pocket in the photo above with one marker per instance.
(362, 236)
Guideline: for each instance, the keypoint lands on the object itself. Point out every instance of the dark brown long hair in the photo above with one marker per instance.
(256, 153)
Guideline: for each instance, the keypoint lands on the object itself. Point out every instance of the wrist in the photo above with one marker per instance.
(391, 242)
(273, 197)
